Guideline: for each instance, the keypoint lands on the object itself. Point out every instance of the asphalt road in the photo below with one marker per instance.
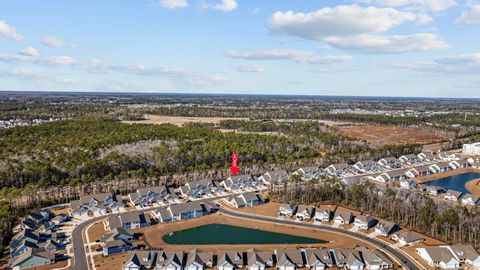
(406, 262)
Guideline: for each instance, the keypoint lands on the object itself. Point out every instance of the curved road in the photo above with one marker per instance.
(405, 261)
(81, 263)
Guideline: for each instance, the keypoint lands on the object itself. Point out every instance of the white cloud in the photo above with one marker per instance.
(52, 41)
(99, 66)
(460, 64)
(470, 17)
(425, 5)
(57, 61)
(20, 73)
(252, 68)
(173, 4)
(226, 5)
(298, 56)
(29, 52)
(8, 31)
(340, 21)
(388, 44)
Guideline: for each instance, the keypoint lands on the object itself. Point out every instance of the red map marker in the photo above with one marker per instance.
(234, 169)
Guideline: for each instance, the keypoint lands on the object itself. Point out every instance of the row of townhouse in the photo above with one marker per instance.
(184, 211)
(95, 205)
(128, 220)
(37, 240)
(247, 199)
(450, 257)
(252, 259)
(449, 195)
(159, 195)
(233, 184)
(326, 214)
(341, 216)
(422, 170)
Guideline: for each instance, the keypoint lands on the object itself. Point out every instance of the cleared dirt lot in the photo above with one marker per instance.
(153, 234)
(179, 120)
(379, 135)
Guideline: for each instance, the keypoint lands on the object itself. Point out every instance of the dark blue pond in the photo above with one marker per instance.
(455, 182)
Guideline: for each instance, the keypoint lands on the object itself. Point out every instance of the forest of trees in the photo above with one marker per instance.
(452, 224)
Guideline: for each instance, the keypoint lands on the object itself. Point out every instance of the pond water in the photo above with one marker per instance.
(220, 234)
(455, 182)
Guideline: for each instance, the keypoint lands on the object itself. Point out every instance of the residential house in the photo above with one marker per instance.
(390, 163)
(391, 176)
(470, 199)
(466, 254)
(434, 190)
(410, 159)
(366, 166)
(230, 260)
(22, 247)
(364, 222)
(444, 166)
(117, 246)
(187, 210)
(289, 259)
(308, 173)
(343, 217)
(304, 212)
(444, 156)
(237, 183)
(274, 177)
(163, 215)
(59, 219)
(27, 234)
(438, 257)
(140, 260)
(408, 238)
(40, 216)
(96, 204)
(323, 214)
(169, 260)
(129, 220)
(287, 209)
(32, 258)
(259, 260)
(196, 189)
(336, 169)
(348, 258)
(247, 199)
(453, 195)
(147, 196)
(375, 259)
(198, 260)
(117, 233)
(318, 259)
(386, 228)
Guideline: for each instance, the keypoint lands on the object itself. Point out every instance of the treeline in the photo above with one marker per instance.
(445, 120)
(68, 152)
(313, 133)
(452, 224)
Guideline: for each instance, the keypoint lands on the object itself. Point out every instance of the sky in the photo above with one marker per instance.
(414, 48)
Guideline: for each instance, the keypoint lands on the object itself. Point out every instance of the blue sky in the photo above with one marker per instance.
(356, 47)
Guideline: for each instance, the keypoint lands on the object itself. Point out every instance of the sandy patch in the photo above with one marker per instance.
(473, 186)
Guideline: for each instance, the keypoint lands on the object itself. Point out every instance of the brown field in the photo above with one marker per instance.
(379, 135)
(111, 262)
(96, 231)
(153, 234)
(179, 120)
